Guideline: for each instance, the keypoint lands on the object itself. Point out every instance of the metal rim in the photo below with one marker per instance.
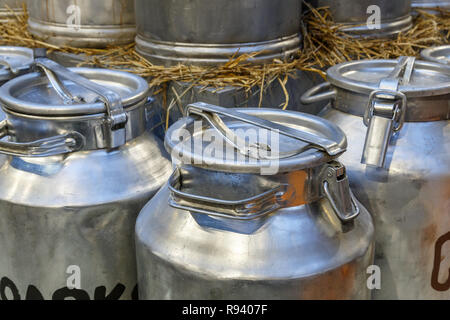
(307, 159)
(439, 54)
(138, 84)
(335, 77)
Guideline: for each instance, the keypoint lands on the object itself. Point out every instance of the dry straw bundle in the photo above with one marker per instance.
(324, 45)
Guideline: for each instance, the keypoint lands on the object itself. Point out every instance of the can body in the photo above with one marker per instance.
(360, 16)
(67, 222)
(83, 23)
(210, 32)
(409, 203)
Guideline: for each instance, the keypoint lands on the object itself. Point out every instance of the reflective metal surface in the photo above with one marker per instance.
(14, 61)
(9, 8)
(226, 234)
(82, 23)
(395, 15)
(437, 54)
(210, 32)
(430, 4)
(67, 216)
(409, 203)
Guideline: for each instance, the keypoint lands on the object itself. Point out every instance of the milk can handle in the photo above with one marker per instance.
(61, 144)
(211, 114)
(245, 209)
(313, 95)
(116, 116)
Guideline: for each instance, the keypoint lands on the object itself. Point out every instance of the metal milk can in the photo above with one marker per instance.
(439, 54)
(212, 31)
(258, 208)
(79, 168)
(82, 23)
(361, 16)
(395, 114)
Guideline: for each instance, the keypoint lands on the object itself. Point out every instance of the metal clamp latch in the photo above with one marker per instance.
(336, 189)
(306, 140)
(385, 113)
(114, 129)
(245, 209)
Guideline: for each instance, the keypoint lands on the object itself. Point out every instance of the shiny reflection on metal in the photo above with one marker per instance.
(106, 107)
(308, 124)
(10, 8)
(437, 54)
(337, 190)
(409, 198)
(227, 232)
(116, 117)
(246, 209)
(14, 61)
(430, 4)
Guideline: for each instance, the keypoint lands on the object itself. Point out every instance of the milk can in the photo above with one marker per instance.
(395, 114)
(258, 208)
(212, 31)
(430, 4)
(370, 18)
(439, 54)
(80, 167)
(10, 8)
(82, 23)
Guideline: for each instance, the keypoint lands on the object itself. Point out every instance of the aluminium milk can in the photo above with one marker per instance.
(82, 23)
(212, 31)
(265, 213)
(395, 114)
(440, 54)
(80, 167)
(395, 16)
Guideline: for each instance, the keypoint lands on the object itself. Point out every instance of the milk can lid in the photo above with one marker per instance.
(59, 91)
(426, 78)
(248, 140)
(14, 61)
(439, 54)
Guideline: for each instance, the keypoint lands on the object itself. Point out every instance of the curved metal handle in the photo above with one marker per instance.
(245, 209)
(307, 140)
(61, 144)
(313, 95)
